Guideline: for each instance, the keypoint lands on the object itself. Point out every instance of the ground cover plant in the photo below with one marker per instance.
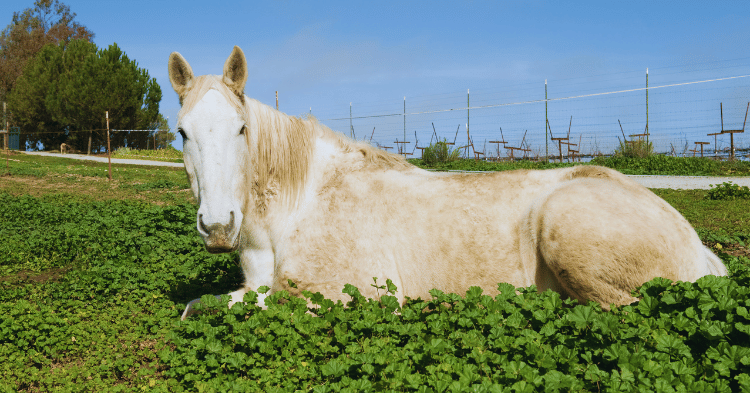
(94, 279)
(654, 164)
(728, 191)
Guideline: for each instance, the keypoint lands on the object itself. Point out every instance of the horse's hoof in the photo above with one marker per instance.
(189, 310)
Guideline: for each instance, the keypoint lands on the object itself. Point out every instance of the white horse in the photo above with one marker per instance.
(304, 203)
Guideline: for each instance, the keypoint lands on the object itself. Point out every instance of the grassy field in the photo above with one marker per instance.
(95, 274)
(170, 154)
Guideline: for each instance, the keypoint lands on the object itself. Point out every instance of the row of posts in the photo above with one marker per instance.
(468, 118)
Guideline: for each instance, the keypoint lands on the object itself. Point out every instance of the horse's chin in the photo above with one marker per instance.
(220, 247)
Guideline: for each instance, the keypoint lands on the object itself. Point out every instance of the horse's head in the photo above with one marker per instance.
(212, 125)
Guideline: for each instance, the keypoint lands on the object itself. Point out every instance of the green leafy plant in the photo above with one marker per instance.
(439, 153)
(638, 148)
(659, 164)
(728, 191)
(91, 289)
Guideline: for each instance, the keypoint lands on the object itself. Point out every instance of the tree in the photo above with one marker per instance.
(70, 88)
(48, 22)
(164, 135)
(28, 103)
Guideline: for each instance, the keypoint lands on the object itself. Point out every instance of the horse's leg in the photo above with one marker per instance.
(602, 238)
(258, 269)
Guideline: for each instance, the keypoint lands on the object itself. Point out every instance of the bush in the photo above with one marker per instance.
(728, 191)
(439, 153)
(637, 149)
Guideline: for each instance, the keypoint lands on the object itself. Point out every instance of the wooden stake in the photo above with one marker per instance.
(109, 155)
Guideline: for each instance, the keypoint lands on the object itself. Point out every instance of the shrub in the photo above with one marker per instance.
(638, 148)
(438, 153)
(728, 191)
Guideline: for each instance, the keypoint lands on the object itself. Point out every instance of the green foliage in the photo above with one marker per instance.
(92, 291)
(169, 154)
(634, 149)
(678, 337)
(67, 89)
(728, 191)
(49, 21)
(160, 184)
(439, 153)
(658, 164)
(480, 165)
(652, 165)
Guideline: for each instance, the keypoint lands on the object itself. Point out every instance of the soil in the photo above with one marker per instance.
(50, 275)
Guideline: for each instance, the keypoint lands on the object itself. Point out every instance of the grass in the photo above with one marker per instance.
(94, 274)
(87, 180)
(169, 155)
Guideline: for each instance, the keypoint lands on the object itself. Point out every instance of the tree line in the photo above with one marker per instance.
(58, 85)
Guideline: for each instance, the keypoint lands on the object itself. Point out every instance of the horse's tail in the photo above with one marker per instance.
(714, 264)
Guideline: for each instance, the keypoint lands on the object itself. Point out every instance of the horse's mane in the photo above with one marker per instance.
(285, 144)
(285, 148)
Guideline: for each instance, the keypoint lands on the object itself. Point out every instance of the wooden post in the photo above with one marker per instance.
(701, 145)
(404, 119)
(546, 122)
(277, 100)
(5, 138)
(109, 155)
(7, 129)
(647, 130)
(468, 138)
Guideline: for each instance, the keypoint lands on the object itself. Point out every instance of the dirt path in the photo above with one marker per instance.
(104, 159)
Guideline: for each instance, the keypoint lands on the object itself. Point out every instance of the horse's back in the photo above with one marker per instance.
(599, 235)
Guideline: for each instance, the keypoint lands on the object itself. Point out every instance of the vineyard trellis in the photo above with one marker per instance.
(681, 108)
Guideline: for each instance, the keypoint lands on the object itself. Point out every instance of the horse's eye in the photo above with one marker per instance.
(242, 130)
(182, 133)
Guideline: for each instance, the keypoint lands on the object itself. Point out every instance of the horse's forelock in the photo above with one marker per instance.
(201, 86)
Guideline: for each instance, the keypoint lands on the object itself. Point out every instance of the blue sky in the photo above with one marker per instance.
(322, 56)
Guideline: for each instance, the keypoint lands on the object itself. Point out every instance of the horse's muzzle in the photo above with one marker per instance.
(219, 238)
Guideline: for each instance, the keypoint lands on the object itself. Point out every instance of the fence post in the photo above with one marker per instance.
(546, 121)
(404, 121)
(647, 129)
(7, 129)
(468, 137)
(5, 143)
(109, 155)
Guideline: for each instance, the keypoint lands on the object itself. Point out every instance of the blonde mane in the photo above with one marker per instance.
(285, 148)
(285, 144)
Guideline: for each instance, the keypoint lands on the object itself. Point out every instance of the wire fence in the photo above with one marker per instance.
(680, 105)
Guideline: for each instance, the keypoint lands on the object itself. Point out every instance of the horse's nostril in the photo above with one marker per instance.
(231, 220)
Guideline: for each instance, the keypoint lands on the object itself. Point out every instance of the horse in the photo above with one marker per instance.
(64, 148)
(305, 204)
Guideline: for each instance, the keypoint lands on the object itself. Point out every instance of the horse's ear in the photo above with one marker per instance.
(180, 74)
(235, 72)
